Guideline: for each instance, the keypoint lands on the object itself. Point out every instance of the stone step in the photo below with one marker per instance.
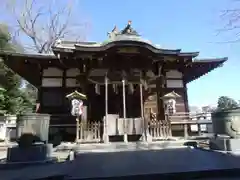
(98, 147)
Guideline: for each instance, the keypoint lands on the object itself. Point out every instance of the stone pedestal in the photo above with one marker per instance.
(149, 137)
(105, 138)
(146, 137)
(125, 138)
(225, 144)
(40, 152)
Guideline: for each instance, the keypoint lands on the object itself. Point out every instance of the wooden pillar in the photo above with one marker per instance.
(146, 135)
(39, 93)
(199, 129)
(142, 113)
(77, 129)
(185, 126)
(105, 127)
(141, 100)
(160, 103)
(124, 110)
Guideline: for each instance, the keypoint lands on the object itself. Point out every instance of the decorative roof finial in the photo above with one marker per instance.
(58, 41)
(115, 29)
(128, 30)
(113, 33)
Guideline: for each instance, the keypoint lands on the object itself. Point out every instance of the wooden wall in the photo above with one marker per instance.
(57, 83)
(174, 81)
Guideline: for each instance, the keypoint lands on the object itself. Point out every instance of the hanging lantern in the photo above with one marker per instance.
(97, 89)
(145, 85)
(100, 60)
(130, 88)
(77, 103)
(115, 88)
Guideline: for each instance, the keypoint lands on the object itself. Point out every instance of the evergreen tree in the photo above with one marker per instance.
(225, 102)
(12, 99)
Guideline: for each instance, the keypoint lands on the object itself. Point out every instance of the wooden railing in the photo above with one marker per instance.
(89, 132)
(188, 116)
(187, 123)
(163, 129)
(159, 130)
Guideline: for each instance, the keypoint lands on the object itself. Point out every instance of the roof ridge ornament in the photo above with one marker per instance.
(58, 41)
(113, 33)
(128, 30)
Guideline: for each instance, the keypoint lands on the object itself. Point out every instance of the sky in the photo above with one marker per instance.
(188, 25)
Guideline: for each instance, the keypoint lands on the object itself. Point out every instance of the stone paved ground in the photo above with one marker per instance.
(62, 151)
(118, 146)
(153, 161)
(89, 165)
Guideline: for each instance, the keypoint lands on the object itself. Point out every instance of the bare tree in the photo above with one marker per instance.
(40, 23)
(45, 23)
(231, 19)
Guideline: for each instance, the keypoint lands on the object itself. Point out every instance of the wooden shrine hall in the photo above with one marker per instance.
(124, 77)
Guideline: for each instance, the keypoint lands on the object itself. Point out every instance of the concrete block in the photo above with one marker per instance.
(225, 144)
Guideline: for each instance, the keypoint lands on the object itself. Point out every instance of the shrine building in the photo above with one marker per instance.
(125, 75)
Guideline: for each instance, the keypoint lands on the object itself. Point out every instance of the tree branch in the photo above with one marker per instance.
(231, 19)
(43, 25)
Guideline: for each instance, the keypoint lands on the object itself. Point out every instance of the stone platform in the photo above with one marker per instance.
(119, 146)
(130, 163)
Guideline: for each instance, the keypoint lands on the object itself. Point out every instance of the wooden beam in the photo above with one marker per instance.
(29, 71)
